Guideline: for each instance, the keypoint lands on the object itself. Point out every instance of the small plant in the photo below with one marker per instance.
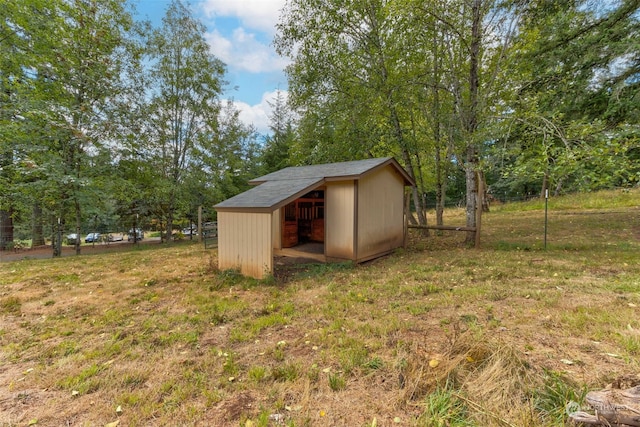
(287, 372)
(85, 382)
(257, 373)
(230, 277)
(337, 382)
(353, 357)
(631, 344)
(374, 364)
(278, 354)
(551, 400)
(10, 305)
(314, 373)
(444, 408)
(230, 366)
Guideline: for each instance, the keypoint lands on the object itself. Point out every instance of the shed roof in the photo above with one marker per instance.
(330, 171)
(266, 197)
(279, 188)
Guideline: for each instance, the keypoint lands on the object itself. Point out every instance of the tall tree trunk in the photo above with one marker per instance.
(484, 196)
(56, 236)
(37, 235)
(406, 157)
(6, 229)
(472, 161)
(394, 118)
(172, 200)
(6, 217)
(437, 135)
(440, 189)
(78, 213)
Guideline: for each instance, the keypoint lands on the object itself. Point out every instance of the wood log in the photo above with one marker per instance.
(613, 407)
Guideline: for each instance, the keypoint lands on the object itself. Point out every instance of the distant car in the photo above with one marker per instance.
(139, 234)
(72, 239)
(190, 231)
(114, 237)
(92, 238)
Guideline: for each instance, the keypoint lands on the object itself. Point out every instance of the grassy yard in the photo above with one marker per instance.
(434, 335)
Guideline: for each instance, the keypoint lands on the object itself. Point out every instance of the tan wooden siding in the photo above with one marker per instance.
(245, 242)
(339, 219)
(276, 223)
(380, 213)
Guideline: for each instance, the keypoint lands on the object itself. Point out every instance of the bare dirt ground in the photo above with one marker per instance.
(46, 252)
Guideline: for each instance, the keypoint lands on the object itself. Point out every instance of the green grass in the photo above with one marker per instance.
(444, 408)
(434, 334)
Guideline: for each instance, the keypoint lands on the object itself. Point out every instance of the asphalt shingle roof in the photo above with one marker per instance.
(270, 194)
(281, 187)
(329, 170)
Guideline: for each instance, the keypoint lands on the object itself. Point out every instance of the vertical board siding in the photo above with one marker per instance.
(339, 214)
(245, 242)
(380, 213)
(276, 233)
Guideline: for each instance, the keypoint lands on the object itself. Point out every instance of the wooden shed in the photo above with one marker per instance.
(331, 212)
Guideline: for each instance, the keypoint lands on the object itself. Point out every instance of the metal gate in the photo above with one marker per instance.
(210, 234)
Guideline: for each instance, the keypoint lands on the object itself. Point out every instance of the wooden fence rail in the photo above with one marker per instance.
(442, 227)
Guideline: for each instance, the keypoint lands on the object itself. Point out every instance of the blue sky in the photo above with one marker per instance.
(240, 33)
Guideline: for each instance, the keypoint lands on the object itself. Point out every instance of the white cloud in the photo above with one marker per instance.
(243, 52)
(258, 114)
(255, 14)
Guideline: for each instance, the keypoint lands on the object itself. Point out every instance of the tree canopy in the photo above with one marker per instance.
(107, 123)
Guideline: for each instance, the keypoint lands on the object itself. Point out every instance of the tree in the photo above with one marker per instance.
(344, 59)
(227, 157)
(185, 82)
(575, 121)
(17, 60)
(409, 78)
(275, 155)
(72, 54)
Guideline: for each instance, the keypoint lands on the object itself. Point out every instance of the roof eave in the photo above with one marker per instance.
(278, 205)
(393, 162)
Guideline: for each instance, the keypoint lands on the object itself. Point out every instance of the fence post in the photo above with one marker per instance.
(546, 209)
(200, 223)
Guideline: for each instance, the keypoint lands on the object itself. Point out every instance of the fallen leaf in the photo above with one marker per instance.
(567, 361)
(113, 424)
(434, 363)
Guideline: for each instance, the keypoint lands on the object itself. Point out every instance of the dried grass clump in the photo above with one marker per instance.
(489, 376)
